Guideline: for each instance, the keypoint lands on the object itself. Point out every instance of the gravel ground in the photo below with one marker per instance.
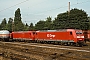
(43, 53)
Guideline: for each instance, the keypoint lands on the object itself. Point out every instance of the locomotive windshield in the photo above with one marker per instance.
(78, 32)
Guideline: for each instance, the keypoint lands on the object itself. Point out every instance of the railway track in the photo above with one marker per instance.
(81, 49)
(19, 52)
(30, 51)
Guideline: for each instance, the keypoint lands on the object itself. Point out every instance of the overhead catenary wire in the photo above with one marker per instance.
(46, 10)
(41, 13)
(14, 5)
(63, 7)
(19, 4)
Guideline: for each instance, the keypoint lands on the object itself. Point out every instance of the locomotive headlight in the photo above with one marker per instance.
(82, 36)
(78, 36)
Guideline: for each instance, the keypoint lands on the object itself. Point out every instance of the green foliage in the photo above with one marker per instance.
(18, 25)
(10, 24)
(48, 23)
(3, 25)
(77, 19)
(40, 25)
(31, 27)
(26, 27)
(61, 21)
(44, 25)
(17, 17)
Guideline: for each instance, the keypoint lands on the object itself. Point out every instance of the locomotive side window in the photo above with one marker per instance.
(70, 33)
(34, 33)
(30, 33)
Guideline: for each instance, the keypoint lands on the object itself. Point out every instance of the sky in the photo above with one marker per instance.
(33, 11)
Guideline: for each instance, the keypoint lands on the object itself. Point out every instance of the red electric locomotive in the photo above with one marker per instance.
(67, 36)
(23, 35)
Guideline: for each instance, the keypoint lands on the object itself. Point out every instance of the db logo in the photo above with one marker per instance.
(50, 35)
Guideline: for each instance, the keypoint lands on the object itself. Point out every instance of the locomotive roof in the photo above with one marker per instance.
(62, 30)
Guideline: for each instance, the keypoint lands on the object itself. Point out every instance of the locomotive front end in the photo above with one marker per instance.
(80, 36)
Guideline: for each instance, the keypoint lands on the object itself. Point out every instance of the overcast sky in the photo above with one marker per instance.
(35, 10)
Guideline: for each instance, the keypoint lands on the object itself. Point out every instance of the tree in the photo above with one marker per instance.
(40, 25)
(17, 17)
(26, 27)
(26, 24)
(3, 24)
(31, 27)
(77, 19)
(18, 25)
(61, 21)
(88, 23)
(48, 23)
(10, 24)
(44, 25)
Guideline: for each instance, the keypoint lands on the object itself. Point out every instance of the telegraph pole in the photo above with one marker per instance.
(68, 14)
(68, 8)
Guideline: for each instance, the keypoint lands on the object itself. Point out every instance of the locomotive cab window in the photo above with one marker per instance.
(70, 33)
(34, 33)
(30, 33)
